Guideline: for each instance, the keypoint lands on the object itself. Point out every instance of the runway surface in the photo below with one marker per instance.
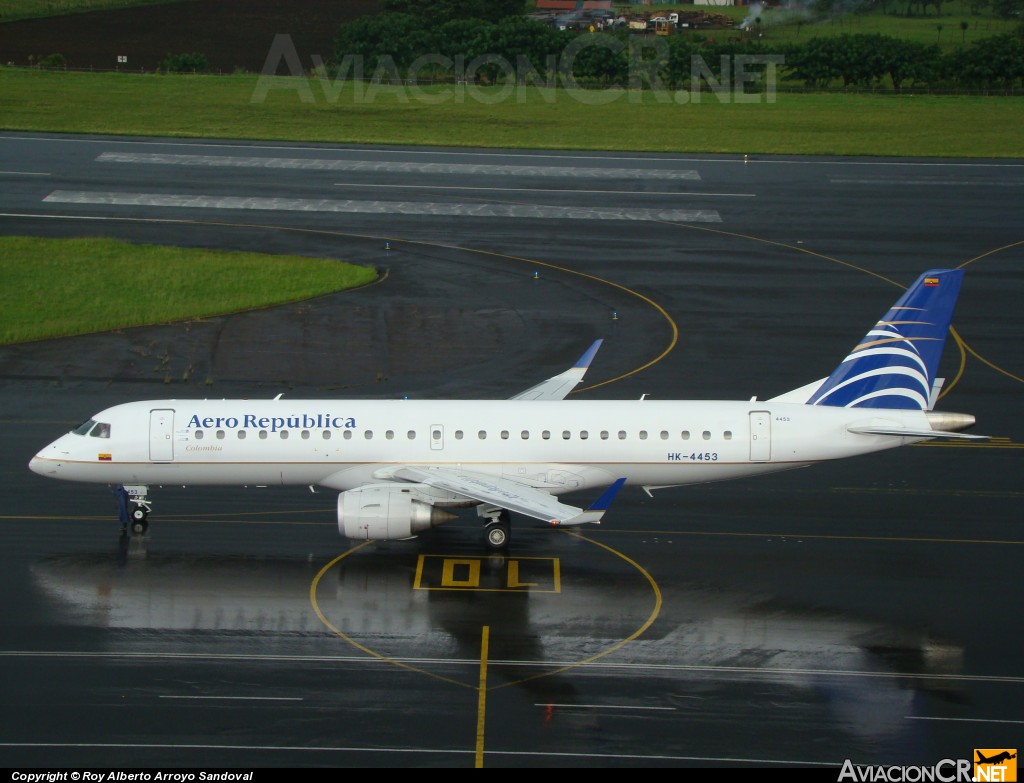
(864, 610)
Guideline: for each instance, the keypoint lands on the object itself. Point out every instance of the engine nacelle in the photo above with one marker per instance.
(385, 512)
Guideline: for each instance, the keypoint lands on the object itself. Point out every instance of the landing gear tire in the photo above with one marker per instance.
(497, 534)
(139, 523)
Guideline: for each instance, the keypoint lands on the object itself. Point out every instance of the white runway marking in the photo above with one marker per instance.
(605, 707)
(727, 158)
(673, 193)
(930, 182)
(963, 720)
(377, 750)
(381, 207)
(377, 166)
(235, 698)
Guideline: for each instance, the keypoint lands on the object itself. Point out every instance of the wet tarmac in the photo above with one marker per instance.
(861, 610)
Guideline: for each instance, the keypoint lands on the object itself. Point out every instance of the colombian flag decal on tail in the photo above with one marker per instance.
(931, 282)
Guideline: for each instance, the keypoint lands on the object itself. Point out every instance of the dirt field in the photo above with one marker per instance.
(233, 34)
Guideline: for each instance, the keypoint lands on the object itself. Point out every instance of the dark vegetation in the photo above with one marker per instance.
(231, 34)
(493, 41)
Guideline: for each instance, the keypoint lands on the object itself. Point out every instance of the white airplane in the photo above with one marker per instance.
(398, 464)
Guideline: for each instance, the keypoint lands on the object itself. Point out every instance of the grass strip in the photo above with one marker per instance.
(12, 10)
(299, 109)
(63, 287)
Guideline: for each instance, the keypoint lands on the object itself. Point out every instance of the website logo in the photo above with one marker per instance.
(998, 764)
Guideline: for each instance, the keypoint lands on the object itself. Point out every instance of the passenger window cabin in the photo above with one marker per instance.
(96, 429)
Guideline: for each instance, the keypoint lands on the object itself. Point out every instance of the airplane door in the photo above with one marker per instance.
(161, 441)
(437, 437)
(760, 436)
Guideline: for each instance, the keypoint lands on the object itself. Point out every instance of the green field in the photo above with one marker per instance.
(56, 288)
(12, 10)
(780, 25)
(91, 278)
(528, 117)
(945, 30)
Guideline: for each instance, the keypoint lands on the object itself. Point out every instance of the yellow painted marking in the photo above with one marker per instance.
(961, 345)
(655, 611)
(804, 536)
(472, 573)
(323, 618)
(423, 243)
(1001, 443)
(481, 699)
(503, 574)
(513, 576)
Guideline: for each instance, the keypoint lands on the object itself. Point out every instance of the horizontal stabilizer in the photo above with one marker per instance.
(905, 432)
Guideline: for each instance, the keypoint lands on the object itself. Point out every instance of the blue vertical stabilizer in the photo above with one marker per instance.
(895, 364)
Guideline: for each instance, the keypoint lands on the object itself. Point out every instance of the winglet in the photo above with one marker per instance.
(596, 510)
(584, 361)
(558, 387)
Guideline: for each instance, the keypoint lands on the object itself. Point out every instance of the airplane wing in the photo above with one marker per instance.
(511, 495)
(558, 387)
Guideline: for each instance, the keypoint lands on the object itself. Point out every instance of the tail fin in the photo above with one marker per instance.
(894, 365)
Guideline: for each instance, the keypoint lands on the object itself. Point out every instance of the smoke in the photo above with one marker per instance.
(786, 13)
(756, 9)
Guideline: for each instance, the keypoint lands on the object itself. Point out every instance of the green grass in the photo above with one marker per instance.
(778, 26)
(224, 107)
(784, 26)
(58, 288)
(12, 10)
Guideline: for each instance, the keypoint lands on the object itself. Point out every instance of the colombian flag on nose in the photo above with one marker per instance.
(103, 457)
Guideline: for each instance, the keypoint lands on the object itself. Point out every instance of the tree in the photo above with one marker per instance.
(909, 60)
(1008, 9)
(812, 62)
(998, 60)
(400, 37)
(184, 63)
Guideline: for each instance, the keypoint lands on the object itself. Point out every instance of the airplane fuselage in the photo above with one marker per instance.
(559, 446)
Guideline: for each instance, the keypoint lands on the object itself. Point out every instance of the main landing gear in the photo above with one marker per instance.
(498, 529)
(133, 508)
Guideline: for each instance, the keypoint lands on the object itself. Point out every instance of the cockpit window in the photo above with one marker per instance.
(101, 430)
(84, 427)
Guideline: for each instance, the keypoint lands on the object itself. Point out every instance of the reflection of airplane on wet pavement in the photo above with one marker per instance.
(398, 464)
(707, 638)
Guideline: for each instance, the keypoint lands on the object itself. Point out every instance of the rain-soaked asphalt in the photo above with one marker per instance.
(864, 610)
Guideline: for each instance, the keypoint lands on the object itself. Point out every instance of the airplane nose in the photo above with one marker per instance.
(44, 463)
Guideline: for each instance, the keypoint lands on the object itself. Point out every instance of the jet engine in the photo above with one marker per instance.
(386, 511)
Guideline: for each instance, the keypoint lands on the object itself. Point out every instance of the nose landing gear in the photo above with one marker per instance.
(133, 508)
